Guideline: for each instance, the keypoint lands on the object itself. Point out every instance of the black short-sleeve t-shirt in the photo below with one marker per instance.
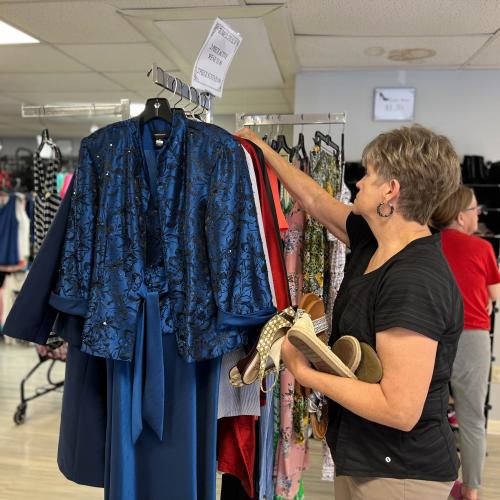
(416, 290)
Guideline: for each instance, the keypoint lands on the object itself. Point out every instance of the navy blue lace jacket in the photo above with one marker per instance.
(213, 274)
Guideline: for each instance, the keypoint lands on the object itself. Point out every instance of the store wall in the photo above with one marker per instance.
(464, 105)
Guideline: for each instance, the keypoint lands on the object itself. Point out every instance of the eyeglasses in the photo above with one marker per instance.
(479, 209)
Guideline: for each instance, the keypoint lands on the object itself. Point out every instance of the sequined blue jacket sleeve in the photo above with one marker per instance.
(236, 256)
(72, 293)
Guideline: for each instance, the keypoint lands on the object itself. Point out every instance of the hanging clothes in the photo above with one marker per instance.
(155, 431)
(24, 222)
(9, 247)
(324, 170)
(66, 183)
(293, 240)
(178, 278)
(209, 230)
(271, 226)
(236, 455)
(47, 199)
(335, 262)
(292, 456)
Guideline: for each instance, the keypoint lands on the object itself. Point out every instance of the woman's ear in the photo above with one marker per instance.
(392, 194)
(460, 219)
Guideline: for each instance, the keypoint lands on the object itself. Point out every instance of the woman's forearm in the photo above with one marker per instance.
(366, 400)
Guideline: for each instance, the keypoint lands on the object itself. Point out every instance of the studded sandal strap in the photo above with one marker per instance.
(320, 325)
(267, 338)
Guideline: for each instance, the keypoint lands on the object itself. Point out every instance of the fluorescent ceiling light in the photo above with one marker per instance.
(12, 36)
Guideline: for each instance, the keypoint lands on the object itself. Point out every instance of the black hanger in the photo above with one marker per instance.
(281, 144)
(301, 146)
(326, 139)
(46, 139)
(157, 107)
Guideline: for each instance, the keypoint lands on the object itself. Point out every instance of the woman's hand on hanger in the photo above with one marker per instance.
(250, 135)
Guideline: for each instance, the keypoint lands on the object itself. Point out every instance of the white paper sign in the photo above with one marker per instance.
(215, 58)
(394, 104)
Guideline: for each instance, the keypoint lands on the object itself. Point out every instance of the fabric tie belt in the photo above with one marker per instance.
(148, 386)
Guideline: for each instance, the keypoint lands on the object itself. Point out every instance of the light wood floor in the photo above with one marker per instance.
(28, 468)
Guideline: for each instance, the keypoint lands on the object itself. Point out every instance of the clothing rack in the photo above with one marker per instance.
(243, 120)
(121, 109)
(203, 100)
(297, 119)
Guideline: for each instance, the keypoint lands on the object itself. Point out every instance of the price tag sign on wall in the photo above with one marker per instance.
(394, 104)
(215, 58)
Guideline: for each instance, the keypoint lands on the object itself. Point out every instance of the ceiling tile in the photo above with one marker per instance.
(394, 18)
(118, 57)
(36, 58)
(138, 82)
(253, 66)
(170, 4)
(265, 2)
(488, 56)
(9, 106)
(243, 97)
(70, 22)
(54, 82)
(349, 52)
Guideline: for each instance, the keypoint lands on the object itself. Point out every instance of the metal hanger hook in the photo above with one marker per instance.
(180, 95)
(191, 111)
(175, 85)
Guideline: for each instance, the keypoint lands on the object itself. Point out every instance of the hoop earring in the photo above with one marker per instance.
(379, 210)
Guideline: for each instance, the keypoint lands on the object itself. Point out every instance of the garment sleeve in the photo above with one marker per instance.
(73, 287)
(31, 317)
(237, 263)
(421, 301)
(357, 229)
(491, 266)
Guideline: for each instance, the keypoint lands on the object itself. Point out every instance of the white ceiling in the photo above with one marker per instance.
(99, 51)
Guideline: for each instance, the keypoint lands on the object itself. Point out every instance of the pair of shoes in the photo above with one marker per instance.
(265, 355)
(347, 358)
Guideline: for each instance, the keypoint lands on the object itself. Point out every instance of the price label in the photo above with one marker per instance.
(215, 57)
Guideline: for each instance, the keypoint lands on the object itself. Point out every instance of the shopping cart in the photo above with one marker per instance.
(48, 355)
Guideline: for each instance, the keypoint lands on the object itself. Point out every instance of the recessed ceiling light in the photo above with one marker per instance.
(12, 36)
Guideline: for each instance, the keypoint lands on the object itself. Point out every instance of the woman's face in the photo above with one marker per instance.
(470, 217)
(370, 194)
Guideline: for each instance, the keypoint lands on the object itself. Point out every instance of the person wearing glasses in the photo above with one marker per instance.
(474, 265)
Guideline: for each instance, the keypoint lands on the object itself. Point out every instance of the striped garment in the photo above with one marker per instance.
(47, 200)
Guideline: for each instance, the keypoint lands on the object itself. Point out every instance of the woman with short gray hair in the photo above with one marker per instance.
(389, 440)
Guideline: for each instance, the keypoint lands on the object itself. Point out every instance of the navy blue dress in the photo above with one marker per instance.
(181, 462)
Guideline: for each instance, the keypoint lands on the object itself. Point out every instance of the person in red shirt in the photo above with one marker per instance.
(474, 265)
